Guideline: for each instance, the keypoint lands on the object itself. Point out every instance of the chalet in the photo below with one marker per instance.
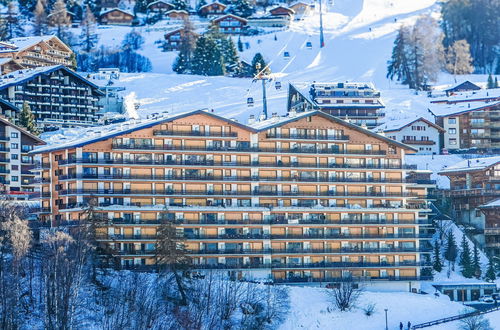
(418, 132)
(173, 38)
(32, 52)
(177, 15)
(466, 86)
(116, 16)
(268, 21)
(282, 11)
(160, 6)
(213, 9)
(230, 24)
(300, 8)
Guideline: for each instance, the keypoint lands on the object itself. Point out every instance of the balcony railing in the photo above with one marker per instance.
(4, 138)
(306, 150)
(4, 149)
(255, 178)
(357, 279)
(310, 251)
(193, 133)
(211, 163)
(308, 136)
(173, 192)
(420, 142)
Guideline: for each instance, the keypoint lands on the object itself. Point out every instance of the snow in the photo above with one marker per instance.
(445, 109)
(435, 163)
(494, 203)
(18, 44)
(474, 164)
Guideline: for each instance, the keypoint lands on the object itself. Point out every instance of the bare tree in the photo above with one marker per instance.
(60, 19)
(475, 322)
(40, 21)
(345, 294)
(458, 59)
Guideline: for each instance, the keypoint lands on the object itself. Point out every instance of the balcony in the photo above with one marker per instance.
(211, 163)
(357, 279)
(193, 133)
(4, 149)
(470, 192)
(4, 138)
(308, 137)
(309, 251)
(4, 160)
(4, 171)
(300, 150)
(419, 142)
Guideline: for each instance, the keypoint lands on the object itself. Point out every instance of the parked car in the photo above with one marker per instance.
(487, 299)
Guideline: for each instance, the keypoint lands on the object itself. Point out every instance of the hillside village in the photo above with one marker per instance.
(248, 164)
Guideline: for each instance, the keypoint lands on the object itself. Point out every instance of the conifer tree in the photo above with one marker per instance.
(496, 83)
(207, 57)
(476, 262)
(490, 84)
(40, 19)
(490, 275)
(437, 265)
(241, 8)
(465, 259)
(180, 4)
(451, 250)
(201, 3)
(89, 35)
(187, 46)
(12, 24)
(60, 20)
(240, 44)
(27, 119)
(229, 54)
(258, 58)
(399, 64)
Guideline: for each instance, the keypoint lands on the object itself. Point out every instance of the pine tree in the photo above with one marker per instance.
(490, 84)
(437, 264)
(240, 44)
(490, 275)
(241, 8)
(458, 59)
(132, 41)
(496, 83)
(180, 4)
(229, 54)
(60, 19)
(12, 23)
(207, 57)
(451, 250)
(201, 3)
(187, 46)
(27, 119)
(465, 259)
(258, 58)
(40, 19)
(399, 65)
(476, 262)
(89, 35)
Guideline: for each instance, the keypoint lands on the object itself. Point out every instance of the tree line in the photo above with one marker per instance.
(56, 279)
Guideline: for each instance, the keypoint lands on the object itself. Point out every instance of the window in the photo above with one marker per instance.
(15, 178)
(14, 167)
(14, 156)
(14, 135)
(453, 141)
(478, 213)
(452, 121)
(452, 131)
(14, 145)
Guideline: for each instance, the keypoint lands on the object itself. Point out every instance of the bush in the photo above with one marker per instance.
(369, 309)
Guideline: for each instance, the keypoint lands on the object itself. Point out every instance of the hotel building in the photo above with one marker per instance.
(303, 198)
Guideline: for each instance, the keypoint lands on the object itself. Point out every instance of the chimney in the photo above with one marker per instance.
(262, 117)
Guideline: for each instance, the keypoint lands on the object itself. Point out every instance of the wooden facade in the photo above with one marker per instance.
(302, 199)
(282, 11)
(177, 15)
(160, 6)
(173, 39)
(230, 24)
(116, 16)
(212, 9)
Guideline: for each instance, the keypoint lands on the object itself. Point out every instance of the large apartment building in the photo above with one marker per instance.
(473, 182)
(16, 178)
(471, 120)
(359, 103)
(57, 96)
(491, 212)
(33, 52)
(305, 198)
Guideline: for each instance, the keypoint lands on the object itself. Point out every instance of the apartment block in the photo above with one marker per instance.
(491, 212)
(359, 103)
(33, 52)
(16, 178)
(473, 182)
(57, 96)
(302, 198)
(471, 120)
(420, 133)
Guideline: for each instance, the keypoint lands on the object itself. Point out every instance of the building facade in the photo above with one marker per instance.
(307, 198)
(16, 178)
(473, 182)
(417, 132)
(57, 96)
(212, 9)
(116, 16)
(160, 6)
(230, 24)
(33, 52)
(491, 213)
(359, 103)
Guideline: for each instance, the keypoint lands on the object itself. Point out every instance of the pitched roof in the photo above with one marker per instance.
(466, 85)
(114, 9)
(162, 1)
(446, 109)
(177, 11)
(19, 44)
(399, 124)
(290, 10)
(493, 204)
(22, 130)
(471, 165)
(86, 136)
(221, 18)
(17, 77)
(213, 3)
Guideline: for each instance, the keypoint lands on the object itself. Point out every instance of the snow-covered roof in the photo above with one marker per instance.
(84, 136)
(221, 18)
(19, 44)
(22, 130)
(162, 1)
(104, 12)
(446, 109)
(398, 124)
(5, 60)
(493, 204)
(475, 164)
(177, 11)
(20, 76)
(213, 3)
(470, 96)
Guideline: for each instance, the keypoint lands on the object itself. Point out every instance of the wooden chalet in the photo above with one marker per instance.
(282, 11)
(177, 14)
(230, 24)
(173, 39)
(160, 6)
(213, 9)
(116, 16)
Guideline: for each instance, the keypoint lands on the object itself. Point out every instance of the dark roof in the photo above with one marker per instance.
(23, 131)
(9, 105)
(465, 86)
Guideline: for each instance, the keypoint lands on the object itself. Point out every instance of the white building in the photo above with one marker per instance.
(417, 132)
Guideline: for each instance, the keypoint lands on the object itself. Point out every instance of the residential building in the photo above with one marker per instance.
(160, 6)
(33, 52)
(300, 8)
(418, 132)
(173, 39)
(473, 182)
(230, 24)
(116, 16)
(302, 198)
(466, 86)
(471, 121)
(16, 178)
(268, 21)
(359, 103)
(57, 96)
(491, 213)
(8, 109)
(282, 11)
(8, 65)
(177, 15)
(212, 9)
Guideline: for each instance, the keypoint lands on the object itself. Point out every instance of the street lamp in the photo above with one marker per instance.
(386, 327)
